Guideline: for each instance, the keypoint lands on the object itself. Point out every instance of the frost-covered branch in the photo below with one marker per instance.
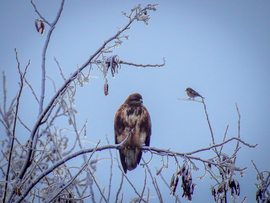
(22, 75)
(262, 193)
(137, 13)
(157, 151)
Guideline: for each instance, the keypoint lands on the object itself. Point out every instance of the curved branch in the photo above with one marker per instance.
(155, 150)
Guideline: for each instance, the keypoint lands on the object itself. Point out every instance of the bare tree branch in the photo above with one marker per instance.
(154, 183)
(22, 75)
(141, 65)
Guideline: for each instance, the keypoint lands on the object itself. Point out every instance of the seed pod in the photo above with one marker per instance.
(42, 27)
(106, 89)
(237, 189)
(174, 183)
(221, 187)
(159, 171)
(258, 195)
(213, 191)
(36, 24)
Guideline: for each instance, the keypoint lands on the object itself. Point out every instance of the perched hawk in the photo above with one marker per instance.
(132, 118)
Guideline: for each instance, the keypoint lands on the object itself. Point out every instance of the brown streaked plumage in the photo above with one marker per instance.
(132, 118)
(192, 93)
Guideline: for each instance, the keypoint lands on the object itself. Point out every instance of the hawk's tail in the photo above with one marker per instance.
(130, 158)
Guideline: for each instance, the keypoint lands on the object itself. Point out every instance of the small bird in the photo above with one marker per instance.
(132, 119)
(192, 93)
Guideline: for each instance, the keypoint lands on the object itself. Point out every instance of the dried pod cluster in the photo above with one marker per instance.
(232, 184)
(187, 185)
(113, 63)
(40, 26)
(262, 193)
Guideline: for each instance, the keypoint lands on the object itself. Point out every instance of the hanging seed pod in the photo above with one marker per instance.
(258, 195)
(39, 24)
(159, 171)
(42, 27)
(237, 189)
(232, 186)
(36, 24)
(174, 183)
(213, 191)
(221, 187)
(106, 89)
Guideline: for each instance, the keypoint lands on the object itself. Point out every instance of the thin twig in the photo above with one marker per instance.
(144, 184)
(24, 125)
(221, 144)
(5, 92)
(33, 92)
(154, 183)
(60, 69)
(134, 188)
(224, 137)
(40, 16)
(189, 99)
(119, 189)
(22, 75)
(239, 127)
(255, 166)
(111, 174)
(143, 65)
(209, 125)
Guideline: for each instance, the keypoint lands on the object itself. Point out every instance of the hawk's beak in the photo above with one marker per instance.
(141, 100)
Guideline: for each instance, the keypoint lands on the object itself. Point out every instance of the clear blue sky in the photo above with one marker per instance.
(219, 48)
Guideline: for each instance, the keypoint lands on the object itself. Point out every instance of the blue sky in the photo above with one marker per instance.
(219, 48)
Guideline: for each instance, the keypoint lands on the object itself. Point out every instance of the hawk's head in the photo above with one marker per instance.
(134, 99)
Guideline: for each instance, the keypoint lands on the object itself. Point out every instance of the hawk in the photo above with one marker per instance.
(132, 119)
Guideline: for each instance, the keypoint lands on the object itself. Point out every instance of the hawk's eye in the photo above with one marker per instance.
(135, 100)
